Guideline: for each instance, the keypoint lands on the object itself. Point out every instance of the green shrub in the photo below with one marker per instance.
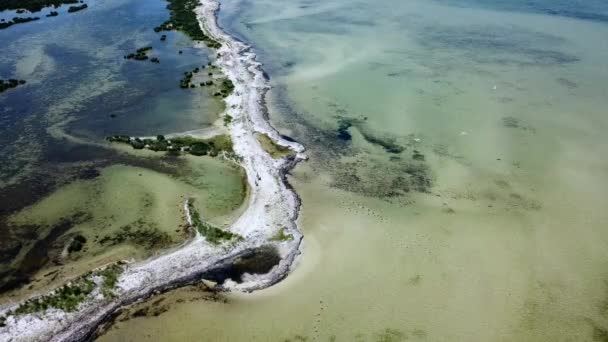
(211, 233)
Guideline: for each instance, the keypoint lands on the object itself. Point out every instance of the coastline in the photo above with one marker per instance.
(273, 206)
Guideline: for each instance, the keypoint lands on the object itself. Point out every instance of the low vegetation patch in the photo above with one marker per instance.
(226, 87)
(227, 120)
(66, 298)
(271, 147)
(186, 144)
(212, 234)
(282, 236)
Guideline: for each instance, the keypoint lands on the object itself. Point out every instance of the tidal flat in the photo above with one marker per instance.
(496, 233)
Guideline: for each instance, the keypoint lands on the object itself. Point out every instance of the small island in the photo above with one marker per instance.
(220, 144)
(141, 54)
(9, 84)
(16, 20)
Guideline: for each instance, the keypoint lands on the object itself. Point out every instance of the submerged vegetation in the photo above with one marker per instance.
(184, 19)
(186, 144)
(138, 233)
(77, 243)
(271, 147)
(212, 234)
(10, 83)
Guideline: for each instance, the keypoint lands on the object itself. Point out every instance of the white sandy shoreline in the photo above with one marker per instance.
(273, 206)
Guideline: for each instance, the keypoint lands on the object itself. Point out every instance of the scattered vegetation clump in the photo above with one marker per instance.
(10, 83)
(70, 295)
(138, 233)
(53, 14)
(184, 19)
(16, 20)
(66, 298)
(110, 277)
(281, 236)
(140, 54)
(163, 37)
(32, 5)
(226, 87)
(137, 144)
(73, 9)
(198, 147)
(186, 82)
(77, 243)
(227, 120)
(271, 147)
(211, 233)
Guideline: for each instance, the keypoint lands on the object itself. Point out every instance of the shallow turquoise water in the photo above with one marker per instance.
(456, 187)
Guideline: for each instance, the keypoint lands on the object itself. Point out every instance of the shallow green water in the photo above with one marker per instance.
(456, 189)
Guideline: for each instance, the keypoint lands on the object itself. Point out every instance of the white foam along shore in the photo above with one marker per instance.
(272, 206)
